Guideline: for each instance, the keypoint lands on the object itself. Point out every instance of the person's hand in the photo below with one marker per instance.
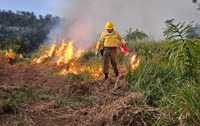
(96, 53)
(124, 42)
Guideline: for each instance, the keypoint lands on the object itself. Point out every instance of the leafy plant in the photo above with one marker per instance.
(169, 77)
(135, 35)
(181, 48)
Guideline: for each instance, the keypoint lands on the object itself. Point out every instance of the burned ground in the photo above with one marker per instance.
(34, 95)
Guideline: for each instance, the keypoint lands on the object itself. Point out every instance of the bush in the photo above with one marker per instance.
(169, 75)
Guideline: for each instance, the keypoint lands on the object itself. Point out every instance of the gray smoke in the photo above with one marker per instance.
(86, 18)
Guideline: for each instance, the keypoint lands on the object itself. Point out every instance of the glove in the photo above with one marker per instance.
(124, 42)
(96, 53)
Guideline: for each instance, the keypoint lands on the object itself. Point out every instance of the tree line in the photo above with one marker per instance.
(24, 31)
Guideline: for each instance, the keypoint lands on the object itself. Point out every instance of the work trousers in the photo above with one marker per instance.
(11, 61)
(110, 54)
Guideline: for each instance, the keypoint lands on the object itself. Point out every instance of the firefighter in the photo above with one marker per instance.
(21, 57)
(10, 56)
(108, 41)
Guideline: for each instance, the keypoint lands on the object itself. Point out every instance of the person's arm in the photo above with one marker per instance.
(13, 56)
(100, 42)
(121, 39)
(99, 45)
(6, 54)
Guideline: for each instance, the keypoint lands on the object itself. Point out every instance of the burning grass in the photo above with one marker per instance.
(69, 58)
(66, 56)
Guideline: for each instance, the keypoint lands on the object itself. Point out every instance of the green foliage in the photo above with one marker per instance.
(154, 80)
(148, 49)
(16, 45)
(183, 51)
(25, 27)
(170, 75)
(187, 105)
(178, 31)
(135, 35)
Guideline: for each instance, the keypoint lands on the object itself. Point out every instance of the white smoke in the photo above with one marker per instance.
(86, 18)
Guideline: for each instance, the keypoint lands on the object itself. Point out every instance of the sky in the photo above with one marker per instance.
(88, 17)
(39, 7)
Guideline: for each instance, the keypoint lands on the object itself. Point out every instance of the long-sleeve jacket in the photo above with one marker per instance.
(109, 39)
(10, 55)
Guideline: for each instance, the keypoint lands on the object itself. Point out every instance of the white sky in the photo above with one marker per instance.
(146, 15)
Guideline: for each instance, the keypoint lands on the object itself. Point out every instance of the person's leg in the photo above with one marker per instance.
(106, 61)
(114, 61)
(12, 61)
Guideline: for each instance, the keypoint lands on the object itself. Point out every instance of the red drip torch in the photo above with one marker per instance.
(124, 50)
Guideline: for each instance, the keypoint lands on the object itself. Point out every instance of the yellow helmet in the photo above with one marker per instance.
(109, 25)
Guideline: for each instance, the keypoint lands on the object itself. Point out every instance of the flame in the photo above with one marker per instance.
(79, 53)
(52, 51)
(135, 62)
(62, 53)
(94, 71)
(66, 55)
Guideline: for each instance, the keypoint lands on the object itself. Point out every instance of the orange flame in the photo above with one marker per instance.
(62, 53)
(95, 71)
(52, 51)
(66, 55)
(135, 62)
(79, 53)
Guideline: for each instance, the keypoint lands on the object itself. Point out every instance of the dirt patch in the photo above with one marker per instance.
(121, 112)
(1, 106)
(85, 103)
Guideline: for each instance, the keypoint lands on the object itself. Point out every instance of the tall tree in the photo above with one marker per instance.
(194, 1)
(31, 29)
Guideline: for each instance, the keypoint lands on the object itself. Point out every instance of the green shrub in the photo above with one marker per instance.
(168, 75)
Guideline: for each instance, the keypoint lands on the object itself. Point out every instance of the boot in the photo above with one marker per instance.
(106, 76)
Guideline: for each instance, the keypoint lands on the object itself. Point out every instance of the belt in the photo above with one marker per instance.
(109, 47)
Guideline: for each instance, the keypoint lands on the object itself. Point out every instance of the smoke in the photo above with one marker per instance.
(86, 18)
